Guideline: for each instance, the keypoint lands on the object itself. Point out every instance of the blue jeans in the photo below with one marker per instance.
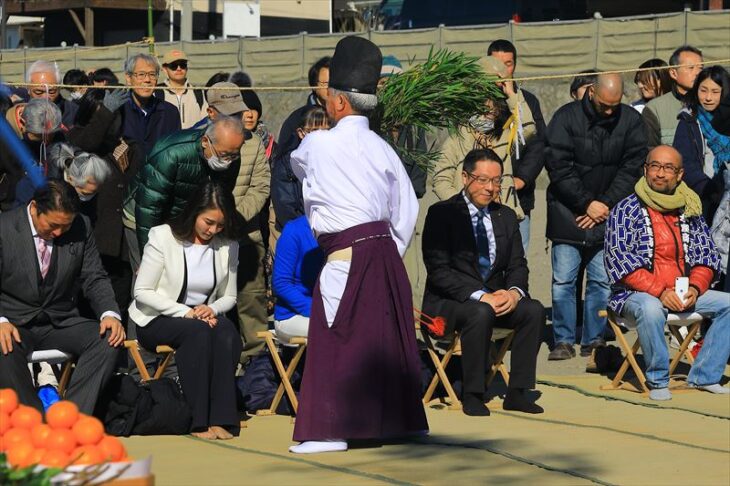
(567, 261)
(650, 317)
(525, 232)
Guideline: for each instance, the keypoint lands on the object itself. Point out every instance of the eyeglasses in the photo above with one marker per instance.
(485, 181)
(142, 75)
(224, 157)
(174, 66)
(656, 167)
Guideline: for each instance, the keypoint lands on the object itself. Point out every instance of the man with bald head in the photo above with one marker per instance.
(595, 147)
(654, 236)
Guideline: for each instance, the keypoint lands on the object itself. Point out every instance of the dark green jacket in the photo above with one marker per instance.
(174, 170)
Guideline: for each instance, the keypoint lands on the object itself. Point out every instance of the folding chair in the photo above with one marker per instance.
(691, 320)
(453, 348)
(285, 374)
(133, 347)
(55, 357)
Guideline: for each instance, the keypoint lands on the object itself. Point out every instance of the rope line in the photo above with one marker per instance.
(640, 404)
(610, 429)
(308, 462)
(309, 88)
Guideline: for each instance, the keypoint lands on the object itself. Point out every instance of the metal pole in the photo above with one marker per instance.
(3, 22)
(150, 28)
(186, 22)
(172, 20)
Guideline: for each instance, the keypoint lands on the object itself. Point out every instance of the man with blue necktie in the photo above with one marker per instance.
(477, 280)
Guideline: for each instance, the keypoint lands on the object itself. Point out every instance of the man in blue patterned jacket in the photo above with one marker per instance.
(653, 237)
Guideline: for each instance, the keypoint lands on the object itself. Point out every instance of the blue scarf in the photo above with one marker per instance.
(718, 143)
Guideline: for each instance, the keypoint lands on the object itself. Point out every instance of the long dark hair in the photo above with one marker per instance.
(210, 195)
(716, 73)
(658, 78)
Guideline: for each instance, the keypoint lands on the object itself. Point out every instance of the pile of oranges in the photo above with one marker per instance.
(68, 437)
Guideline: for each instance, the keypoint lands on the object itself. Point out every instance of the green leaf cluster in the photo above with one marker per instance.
(441, 93)
(27, 476)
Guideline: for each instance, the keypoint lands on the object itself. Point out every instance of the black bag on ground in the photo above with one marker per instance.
(156, 407)
(258, 385)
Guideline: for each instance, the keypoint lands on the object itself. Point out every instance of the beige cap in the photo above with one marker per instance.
(226, 101)
(174, 55)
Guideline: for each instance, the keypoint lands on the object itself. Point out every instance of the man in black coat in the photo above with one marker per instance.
(595, 148)
(477, 280)
(531, 160)
(47, 254)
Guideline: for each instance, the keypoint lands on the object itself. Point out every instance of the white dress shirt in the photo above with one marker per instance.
(351, 176)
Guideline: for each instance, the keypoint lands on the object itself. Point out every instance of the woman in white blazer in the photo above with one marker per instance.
(185, 285)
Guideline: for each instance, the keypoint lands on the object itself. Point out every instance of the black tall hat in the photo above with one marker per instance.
(355, 66)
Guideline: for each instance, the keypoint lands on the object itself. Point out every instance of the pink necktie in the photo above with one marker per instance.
(45, 256)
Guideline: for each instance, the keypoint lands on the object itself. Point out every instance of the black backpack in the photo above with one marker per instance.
(155, 407)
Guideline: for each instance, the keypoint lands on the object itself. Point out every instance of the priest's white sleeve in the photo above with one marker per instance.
(403, 209)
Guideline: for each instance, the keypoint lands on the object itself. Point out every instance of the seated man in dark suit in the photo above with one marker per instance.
(47, 253)
(477, 280)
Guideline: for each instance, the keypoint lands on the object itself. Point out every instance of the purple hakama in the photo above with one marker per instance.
(362, 375)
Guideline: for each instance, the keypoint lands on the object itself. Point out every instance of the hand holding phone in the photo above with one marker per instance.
(681, 287)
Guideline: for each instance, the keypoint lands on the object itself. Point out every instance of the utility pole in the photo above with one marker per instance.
(150, 27)
(186, 21)
(3, 23)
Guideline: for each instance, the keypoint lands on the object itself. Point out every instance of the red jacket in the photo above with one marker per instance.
(669, 262)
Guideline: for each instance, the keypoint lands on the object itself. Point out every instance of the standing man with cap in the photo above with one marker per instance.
(190, 103)
(362, 379)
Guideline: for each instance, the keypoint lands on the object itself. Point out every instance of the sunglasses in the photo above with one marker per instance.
(178, 65)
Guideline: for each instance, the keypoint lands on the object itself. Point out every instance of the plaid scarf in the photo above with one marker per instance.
(718, 143)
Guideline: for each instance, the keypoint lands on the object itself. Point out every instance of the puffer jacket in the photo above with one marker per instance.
(174, 170)
(252, 186)
(721, 224)
(590, 158)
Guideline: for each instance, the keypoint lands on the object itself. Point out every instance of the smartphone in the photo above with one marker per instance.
(681, 287)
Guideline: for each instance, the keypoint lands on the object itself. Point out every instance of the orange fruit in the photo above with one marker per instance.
(36, 456)
(25, 417)
(55, 458)
(8, 400)
(4, 422)
(111, 448)
(88, 430)
(62, 415)
(61, 440)
(20, 455)
(16, 436)
(87, 454)
(39, 434)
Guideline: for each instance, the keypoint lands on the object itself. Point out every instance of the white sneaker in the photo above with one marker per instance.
(316, 446)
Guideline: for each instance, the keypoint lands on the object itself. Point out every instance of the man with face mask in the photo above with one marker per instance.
(654, 236)
(177, 165)
(38, 124)
(594, 150)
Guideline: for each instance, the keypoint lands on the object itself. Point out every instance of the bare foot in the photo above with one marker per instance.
(220, 432)
(206, 434)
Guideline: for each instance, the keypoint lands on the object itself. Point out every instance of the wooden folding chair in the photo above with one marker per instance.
(285, 374)
(56, 357)
(691, 320)
(167, 352)
(453, 348)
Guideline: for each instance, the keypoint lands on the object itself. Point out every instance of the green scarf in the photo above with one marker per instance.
(683, 197)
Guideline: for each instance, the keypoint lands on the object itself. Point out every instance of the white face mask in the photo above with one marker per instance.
(75, 95)
(218, 165)
(86, 197)
(481, 124)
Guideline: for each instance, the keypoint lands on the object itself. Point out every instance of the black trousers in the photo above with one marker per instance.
(94, 366)
(475, 320)
(206, 361)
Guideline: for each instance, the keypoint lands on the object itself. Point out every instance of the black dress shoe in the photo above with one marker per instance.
(517, 401)
(472, 404)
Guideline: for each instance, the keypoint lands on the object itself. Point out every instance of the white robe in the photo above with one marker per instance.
(351, 176)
